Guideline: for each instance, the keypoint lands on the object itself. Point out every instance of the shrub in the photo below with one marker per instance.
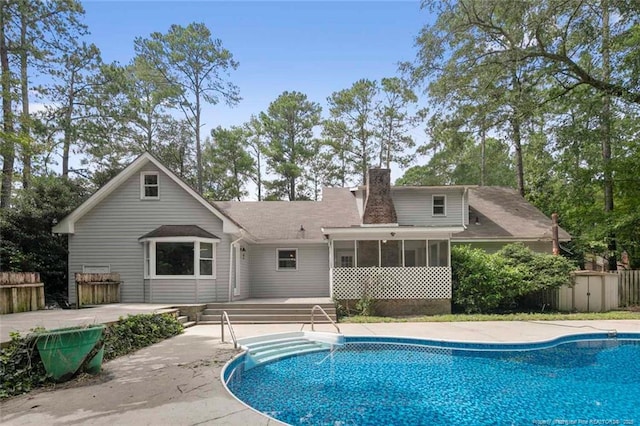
(138, 331)
(482, 282)
(21, 368)
(485, 282)
(541, 271)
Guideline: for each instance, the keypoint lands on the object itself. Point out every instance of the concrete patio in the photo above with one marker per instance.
(178, 382)
(24, 322)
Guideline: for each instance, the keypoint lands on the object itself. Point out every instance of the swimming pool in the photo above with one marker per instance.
(583, 379)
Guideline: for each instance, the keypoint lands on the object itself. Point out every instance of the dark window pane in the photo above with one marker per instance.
(150, 191)
(174, 258)
(206, 250)
(390, 253)
(368, 253)
(346, 261)
(287, 259)
(150, 179)
(438, 205)
(206, 267)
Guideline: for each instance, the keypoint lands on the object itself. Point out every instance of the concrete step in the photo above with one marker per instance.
(261, 310)
(263, 321)
(275, 317)
(189, 324)
(249, 305)
(266, 313)
(183, 319)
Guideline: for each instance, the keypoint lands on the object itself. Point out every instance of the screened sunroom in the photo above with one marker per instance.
(390, 263)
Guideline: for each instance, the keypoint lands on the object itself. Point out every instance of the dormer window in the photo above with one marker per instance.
(149, 186)
(439, 203)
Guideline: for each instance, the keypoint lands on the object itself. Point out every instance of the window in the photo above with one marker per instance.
(181, 257)
(206, 258)
(174, 258)
(346, 261)
(147, 260)
(439, 203)
(149, 186)
(287, 259)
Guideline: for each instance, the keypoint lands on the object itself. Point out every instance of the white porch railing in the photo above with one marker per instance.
(419, 282)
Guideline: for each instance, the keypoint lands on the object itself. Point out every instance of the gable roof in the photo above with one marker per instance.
(67, 224)
(503, 214)
(294, 220)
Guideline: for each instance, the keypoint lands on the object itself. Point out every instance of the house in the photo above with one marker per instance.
(170, 245)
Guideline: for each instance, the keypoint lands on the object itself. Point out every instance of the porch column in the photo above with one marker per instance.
(331, 266)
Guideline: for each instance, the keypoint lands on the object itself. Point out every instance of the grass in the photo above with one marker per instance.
(521, 316)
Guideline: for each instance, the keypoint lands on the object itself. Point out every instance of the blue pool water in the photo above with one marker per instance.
(382, 381)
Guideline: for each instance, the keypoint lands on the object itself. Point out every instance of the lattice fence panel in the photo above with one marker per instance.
(392, 283)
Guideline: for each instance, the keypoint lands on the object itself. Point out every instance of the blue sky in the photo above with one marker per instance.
(312, 47)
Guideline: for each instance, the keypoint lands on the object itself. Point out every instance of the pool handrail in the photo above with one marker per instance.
(225, 317)
(313, 311)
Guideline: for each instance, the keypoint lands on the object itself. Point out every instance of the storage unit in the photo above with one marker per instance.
(591, 292)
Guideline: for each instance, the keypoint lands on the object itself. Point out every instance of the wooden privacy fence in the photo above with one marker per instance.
(20, 292)
(629, 287)
(97, 289)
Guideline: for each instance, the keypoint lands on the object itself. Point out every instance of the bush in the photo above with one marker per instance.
(541, 271)
(21, 368)
(138, 331)
(484, 283)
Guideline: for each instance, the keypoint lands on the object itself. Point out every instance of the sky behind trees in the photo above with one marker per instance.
(315, 48)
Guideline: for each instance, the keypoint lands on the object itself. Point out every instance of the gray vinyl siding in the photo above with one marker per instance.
(108, 235)
(311, 279)
(492, 247)
(415, 207)
(182, 291)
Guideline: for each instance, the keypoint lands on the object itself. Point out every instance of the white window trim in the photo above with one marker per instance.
(196, 258)
(278, 259)
(433, 197)
(143, 185)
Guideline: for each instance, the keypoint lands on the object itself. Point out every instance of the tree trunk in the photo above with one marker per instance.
(68, 114)
(606, 139)
(292, 160)
(25, 122)
(259, 174)
(149, 147)
(8, 147)
(483, 156)
(517, 143)
(198, 148)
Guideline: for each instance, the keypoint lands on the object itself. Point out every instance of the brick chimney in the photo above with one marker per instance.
(378, 207)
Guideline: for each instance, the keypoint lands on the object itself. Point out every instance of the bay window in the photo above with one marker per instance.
(179, 257)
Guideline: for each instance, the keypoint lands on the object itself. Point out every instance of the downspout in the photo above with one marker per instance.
(231, 247)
